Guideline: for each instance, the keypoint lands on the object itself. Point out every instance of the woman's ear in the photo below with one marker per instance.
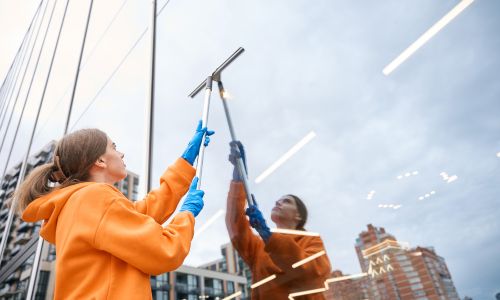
(100, 163)
(298, 217)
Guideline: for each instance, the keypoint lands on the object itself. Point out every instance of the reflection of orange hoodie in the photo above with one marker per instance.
(106, 245)
(277, 257)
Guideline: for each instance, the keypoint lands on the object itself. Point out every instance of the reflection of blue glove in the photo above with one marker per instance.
(237, 151)
(194, 145)
(194, 199)
(257, 221)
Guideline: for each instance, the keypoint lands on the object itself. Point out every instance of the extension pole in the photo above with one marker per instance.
(204, 123)
(239, 162)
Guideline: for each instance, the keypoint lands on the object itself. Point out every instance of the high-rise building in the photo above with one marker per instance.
(192, 283)
(397, 272)
(129, 186)
(232, 263)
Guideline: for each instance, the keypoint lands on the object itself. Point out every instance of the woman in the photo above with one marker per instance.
(274, 253)
(106, 245)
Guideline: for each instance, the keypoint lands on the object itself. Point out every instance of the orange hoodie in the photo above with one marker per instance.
(277, 257)
(106, 245)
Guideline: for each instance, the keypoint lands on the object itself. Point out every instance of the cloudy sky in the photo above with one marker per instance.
(308, 66)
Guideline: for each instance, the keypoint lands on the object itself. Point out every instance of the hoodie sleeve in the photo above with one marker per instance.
(249, 245)
(140, 241)
(174, 183)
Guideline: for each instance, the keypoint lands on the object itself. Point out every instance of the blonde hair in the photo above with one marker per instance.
(73, 157)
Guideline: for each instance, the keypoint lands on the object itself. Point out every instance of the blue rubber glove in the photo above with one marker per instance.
(258, 222)
(194, 145)
(194, 199)
(237, 151)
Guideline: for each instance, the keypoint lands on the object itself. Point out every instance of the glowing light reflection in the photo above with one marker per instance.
(209, 222)
(232, 296)
(265, 280)
(426, 36)
(308, 259)
(296, 232)
(286, 156)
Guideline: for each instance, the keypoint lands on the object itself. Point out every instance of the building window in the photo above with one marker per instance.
(414, 280)
(230, 287)
(43, 281)
(218, 291)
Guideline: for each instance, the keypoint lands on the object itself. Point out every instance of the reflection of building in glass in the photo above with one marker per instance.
(231, 263)
(196, 283)
(17, 262)
(396, 272)
(347, 289)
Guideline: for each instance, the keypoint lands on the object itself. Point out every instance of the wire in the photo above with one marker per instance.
(17, 69)
(24, 74)
(116, 69)
(30, 85)
(86, 60)
(21, 46)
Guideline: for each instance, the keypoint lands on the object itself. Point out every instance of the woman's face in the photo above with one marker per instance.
(285, 213)
(115, 167)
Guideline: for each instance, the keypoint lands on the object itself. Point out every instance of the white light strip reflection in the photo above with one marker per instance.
(209, 222)
(391, 244)
(308, 259)
(427, 36)
(295, 232)
(259, 283)
(286, 156)
(452, 178)
(386, 248)
(498, 154)
(336, 279)
(232, 296)
(292, 295)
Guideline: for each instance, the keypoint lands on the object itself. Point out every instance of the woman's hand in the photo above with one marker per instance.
(194, 145)
(237, 151)
(194, 199)
(258, 222)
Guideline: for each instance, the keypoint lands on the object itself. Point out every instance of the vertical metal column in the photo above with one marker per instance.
(150, 103)
(36, 263)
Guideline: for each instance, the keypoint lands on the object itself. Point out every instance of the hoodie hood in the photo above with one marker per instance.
(48, 208)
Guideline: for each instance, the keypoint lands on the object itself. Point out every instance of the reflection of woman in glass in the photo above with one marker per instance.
(274, 253)
(107, 246)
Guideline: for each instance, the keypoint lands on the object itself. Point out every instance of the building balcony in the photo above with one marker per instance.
(24, 226)
(181, 287)
(210, 291)
(22, 238)
(4, 213)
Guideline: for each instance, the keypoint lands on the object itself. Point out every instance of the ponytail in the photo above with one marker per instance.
(34, 186)
(74, 155)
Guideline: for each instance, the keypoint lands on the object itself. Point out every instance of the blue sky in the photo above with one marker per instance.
(307, 66)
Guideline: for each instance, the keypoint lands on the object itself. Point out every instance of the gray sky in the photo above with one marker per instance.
(307, 66)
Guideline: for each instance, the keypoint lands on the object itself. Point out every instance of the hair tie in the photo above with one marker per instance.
(57, 173)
